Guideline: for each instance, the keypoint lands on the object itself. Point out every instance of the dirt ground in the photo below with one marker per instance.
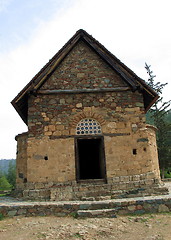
(145, 227)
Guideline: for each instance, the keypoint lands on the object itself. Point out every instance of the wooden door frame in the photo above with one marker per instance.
(77, 156)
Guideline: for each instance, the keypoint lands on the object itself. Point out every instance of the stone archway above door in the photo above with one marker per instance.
(86, 115)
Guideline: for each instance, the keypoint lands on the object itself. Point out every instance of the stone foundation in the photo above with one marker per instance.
(108, 208)
(117, 187)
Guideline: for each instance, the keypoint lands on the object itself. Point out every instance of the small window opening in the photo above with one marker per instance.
(134, 151)
(21, 175)
(88, 126)
(46, 158)
(25, 180)
(145, 149)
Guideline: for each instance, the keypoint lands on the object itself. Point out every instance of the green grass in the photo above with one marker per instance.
(77, 235)
(5, 194)
(1, 216)
(167, 175)
(2, 194)
(74, 214)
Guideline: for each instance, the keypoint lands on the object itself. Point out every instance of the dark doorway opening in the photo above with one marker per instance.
(90, 158)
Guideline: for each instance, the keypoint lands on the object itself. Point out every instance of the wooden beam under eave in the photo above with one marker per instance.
(149, 106)
(73, 91)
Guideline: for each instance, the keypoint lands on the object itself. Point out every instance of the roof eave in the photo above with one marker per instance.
(23, 117)
(132, 79)
(151, 103)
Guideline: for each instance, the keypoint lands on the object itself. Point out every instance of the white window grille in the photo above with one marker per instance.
(88, 126)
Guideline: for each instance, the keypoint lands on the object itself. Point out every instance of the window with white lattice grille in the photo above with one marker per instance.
(88, 126)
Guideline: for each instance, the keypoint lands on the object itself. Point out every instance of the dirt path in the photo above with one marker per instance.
(146, 227)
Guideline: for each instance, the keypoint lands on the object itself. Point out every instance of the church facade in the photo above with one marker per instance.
(87, 134)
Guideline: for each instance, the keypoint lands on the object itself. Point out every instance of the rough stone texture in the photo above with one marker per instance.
(108, 208)
(46, 165)
(21, 160)
(83, 68)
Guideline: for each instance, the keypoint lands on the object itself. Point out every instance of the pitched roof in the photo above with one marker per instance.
(20, 102)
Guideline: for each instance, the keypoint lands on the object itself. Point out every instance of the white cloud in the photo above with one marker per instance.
(4, 4)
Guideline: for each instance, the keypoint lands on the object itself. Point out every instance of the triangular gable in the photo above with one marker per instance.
(20, 102)
(82, 69)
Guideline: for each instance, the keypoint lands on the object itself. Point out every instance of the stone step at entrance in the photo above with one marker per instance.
(92, 182)
(97, 190)
(99, 198)
(90, 193)
(106, 208)
(100, 194)
(97, 213)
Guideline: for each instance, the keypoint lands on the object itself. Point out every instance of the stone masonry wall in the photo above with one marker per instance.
(21, 160)
(49, 152)
(50, 160)
(53, 114)
(88, 209)
(83, 68)
(153, 148)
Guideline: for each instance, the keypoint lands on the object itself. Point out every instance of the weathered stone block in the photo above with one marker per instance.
(60, 127)
(150, 175)
(79, 105)
(48, 133)
(21, 211)
(136, 177)
(52, 128)
(12, 213)
(163, 208)
(124, 178)
(33, 193)
(39, 185)
(139, 104)
(131, 208)
(62, 101)
(80, 75)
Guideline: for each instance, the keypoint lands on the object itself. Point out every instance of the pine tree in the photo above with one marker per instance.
(157, 116)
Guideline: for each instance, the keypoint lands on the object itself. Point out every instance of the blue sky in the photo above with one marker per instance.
(20, 18)
(32, 31)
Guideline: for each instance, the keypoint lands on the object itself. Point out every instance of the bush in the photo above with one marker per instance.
(4, 184)
(11, 175)
(1, 216)
(167, 174)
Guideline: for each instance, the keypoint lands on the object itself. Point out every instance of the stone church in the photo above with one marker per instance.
(87, 134)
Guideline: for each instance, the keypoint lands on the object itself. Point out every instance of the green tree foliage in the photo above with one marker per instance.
(4, 184)
(168, 116)
(1, 173)
(159, 116)
(11, 175)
